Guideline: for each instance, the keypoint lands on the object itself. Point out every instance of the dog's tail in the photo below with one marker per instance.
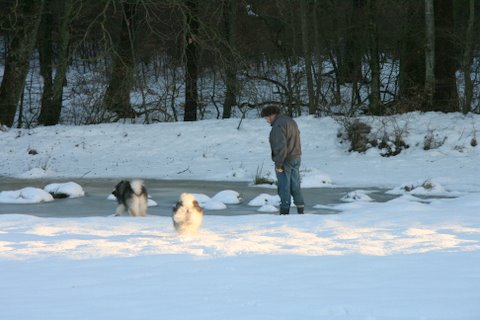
(137, 187)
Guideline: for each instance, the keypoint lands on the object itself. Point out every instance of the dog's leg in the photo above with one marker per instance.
(143, 205)
(137, 207)
(120, 210)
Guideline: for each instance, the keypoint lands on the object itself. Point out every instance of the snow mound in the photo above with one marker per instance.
(201, 198)
(420, 188)
(267, 208)
(152, 203)
(213, 205)
(25, 195)
(65, 190)
(265, 199)
(228, 197)
(208, 203)
(357, 195)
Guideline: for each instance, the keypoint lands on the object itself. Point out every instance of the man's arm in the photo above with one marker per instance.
(278, 142)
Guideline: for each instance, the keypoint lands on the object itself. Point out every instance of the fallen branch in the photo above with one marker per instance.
(180, 172)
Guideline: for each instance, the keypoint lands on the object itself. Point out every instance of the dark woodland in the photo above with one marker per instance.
(85, 62)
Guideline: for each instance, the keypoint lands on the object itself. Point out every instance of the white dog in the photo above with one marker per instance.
(187, 215)
(132, 197)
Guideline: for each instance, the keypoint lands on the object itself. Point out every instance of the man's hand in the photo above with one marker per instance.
(279, 170)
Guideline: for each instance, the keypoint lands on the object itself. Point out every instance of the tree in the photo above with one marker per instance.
(429, 53)
(375, 106)
(45, 52)
(191, 63)
(307, 54)
(351, 68)
(229, 18)
(355, 49)
(412, 57)
(53, 91)
(318, 67)
(445, 97)
(26, 16)
(117, 95)
(468, 57)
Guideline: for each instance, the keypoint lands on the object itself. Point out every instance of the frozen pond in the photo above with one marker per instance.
(165, 193)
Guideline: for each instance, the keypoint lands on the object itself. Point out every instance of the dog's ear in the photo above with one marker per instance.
(178, 205)
(117, 188)
(123, 184)
(196, 204)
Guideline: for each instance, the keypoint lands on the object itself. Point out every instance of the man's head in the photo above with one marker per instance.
(269, 113)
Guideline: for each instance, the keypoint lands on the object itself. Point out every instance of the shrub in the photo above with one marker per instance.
(390, 141)
(432, 140)
(358, 133)
(261, 178)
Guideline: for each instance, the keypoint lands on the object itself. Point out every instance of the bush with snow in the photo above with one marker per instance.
(357, 195)
(421, 187)
(433, 140)
(64, 190)
(262, 178)
(389, 137)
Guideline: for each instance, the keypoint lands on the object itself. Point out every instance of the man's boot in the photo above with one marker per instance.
(284, 211)
(300, 209)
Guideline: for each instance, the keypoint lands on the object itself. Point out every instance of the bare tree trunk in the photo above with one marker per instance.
(352, 66)
(356, 48)
(468, 58)
(117, 96)
(429, 53)
(230, 13)
(45, 53)
(375, 104)
(412, 66)
(445, 97)
(335, 55)
(50, 113)
(191, 89)
(18, 57)
(307, 54)
(318, 56)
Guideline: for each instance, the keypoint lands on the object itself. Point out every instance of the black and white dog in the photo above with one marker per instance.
(132, 197)
(187, 215)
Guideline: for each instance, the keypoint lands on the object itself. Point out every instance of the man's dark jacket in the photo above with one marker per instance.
(284, 140)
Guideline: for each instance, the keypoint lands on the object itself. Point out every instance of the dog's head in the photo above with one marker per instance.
(120, 188)
(188, 201)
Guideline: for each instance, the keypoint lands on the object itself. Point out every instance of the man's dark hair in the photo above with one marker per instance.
(269, 110)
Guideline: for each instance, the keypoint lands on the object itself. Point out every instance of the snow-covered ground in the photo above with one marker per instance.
(413, 257)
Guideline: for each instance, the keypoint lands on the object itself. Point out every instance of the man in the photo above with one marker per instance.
(286, 154)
